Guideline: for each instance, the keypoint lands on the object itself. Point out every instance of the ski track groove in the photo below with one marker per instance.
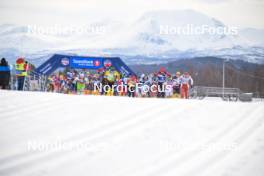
(63, 152)
(36, 113)
(28, 107)
(122, 134)
(12, 115)
(38, 108)
(32, 100)
(183, 157)
(80, 135)
(22, 163)
(221, 155)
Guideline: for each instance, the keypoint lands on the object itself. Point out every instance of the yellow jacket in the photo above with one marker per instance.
(20, 70)
(111, 76)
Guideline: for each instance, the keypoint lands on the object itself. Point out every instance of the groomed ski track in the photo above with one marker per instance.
(120, 136)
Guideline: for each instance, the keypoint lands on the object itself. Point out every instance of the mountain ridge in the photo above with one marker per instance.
(140, 38)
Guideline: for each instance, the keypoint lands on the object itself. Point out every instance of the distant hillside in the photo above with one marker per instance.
(207, 71)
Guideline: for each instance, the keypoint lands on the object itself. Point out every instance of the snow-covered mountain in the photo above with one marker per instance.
(149, 31)
(152, 35)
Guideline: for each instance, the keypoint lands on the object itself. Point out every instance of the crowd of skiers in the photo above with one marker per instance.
(111, 82)
(105, 81)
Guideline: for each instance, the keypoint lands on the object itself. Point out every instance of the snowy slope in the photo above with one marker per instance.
(126, 136)
(141, 37)
(253, 36)
(17, 37)
(147, 31)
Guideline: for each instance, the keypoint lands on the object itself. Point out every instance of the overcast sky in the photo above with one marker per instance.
(240, 13)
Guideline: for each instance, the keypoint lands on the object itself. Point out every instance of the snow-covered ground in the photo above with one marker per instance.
(55, 134)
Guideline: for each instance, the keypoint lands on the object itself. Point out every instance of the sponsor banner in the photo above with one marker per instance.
(88, 63)
(77, 62)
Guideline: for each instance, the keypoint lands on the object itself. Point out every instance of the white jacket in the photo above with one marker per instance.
(186, 80)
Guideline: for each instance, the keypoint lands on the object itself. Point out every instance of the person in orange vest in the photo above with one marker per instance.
(21, 72)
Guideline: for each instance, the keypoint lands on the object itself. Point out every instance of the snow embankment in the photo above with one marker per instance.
(55, 134)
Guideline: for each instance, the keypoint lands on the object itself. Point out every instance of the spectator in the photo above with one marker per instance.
(4, 74)
(21, 72)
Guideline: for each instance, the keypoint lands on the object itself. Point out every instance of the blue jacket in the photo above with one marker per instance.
(4, 69)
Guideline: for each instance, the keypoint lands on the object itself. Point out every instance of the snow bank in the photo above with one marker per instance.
(55, 134)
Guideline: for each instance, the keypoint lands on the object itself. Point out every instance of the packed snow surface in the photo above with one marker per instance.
(49, 134)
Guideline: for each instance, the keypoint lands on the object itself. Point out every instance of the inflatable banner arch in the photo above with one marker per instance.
(81, 62)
